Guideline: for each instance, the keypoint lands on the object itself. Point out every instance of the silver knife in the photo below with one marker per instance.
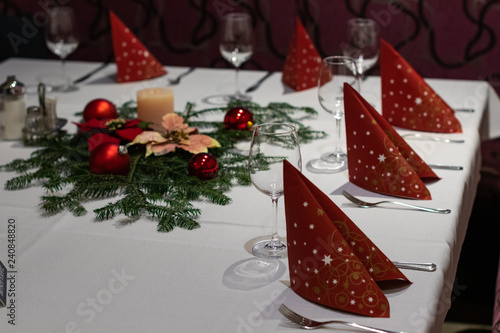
(445, 167)
(427, 267)
(258, 83)
(431, 138)
(86, 76)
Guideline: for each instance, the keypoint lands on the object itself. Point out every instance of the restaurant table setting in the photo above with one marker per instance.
(134, 219)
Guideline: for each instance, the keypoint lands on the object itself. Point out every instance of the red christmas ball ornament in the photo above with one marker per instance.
(100, 109)
(238, 118)
(110, 158)
(204, 166)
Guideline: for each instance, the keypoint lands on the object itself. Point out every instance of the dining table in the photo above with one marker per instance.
(80, 274)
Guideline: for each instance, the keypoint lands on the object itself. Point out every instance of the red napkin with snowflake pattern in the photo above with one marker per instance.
(409, 102)
(379, 159)
(331, 261)
(303, 61)
(133, 60)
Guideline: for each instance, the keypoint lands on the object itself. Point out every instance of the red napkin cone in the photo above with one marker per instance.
(133, 60)
(379, 159)
(302, 63)
(409, 102)
(331, 260)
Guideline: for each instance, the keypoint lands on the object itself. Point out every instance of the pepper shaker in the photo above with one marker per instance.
(14, 108)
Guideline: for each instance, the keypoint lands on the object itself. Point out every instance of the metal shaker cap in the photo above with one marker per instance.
(34, 110)
(12, 86)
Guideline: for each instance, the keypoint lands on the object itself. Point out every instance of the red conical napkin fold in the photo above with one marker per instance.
(409, 102)
(379, 159)
(331, 260)
(303, 61)
(133, 60)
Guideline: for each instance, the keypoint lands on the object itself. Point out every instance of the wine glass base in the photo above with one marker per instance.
(334, 158)
(264, 249)
(65, 88)
(239, 97)
(322, 166)
(57, 83)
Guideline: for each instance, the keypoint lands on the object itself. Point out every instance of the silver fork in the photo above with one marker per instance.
(365, 204)
(310, 324)
(177, 80)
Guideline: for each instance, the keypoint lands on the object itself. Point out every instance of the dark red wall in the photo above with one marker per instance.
(445, 38)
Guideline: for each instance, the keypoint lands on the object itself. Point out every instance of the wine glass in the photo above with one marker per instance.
(334, 72)
(236, 44)
(362, 45)
(62, 39)
(271, 144)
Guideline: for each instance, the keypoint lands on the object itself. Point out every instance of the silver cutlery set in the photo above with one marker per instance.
(296, 320)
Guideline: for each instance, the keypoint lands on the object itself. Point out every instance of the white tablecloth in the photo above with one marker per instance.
(78, 275)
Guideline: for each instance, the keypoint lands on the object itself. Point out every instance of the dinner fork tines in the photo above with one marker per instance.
(365, 204)
(310, 324)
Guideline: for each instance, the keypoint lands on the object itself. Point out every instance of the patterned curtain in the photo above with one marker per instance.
(446, 39)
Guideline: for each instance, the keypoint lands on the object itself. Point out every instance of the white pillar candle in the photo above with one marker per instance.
(154, 103)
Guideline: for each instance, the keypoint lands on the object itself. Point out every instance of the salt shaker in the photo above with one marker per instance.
(35, 128)
(14, 108)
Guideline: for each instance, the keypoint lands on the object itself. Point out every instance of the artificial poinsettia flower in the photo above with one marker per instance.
(176, 134)
(102, 131)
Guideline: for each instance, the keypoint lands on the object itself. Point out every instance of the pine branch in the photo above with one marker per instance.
(156, 187)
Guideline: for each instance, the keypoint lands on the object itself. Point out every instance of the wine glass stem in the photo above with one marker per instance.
(63, 62)
(338, 129)
(275, 242)
(238, 93)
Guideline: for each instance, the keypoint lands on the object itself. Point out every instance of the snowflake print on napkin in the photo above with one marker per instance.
(379, 159)
(409, 102)
(332, 262)
(303, 61)
(133, 61)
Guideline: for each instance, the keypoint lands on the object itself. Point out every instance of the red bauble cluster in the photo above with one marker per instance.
(238, 118)
(204, 166)
(108, 159)
(100, 109)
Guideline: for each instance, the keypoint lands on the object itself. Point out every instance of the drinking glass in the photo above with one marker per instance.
(335, 70)
(236, 44)
(62, 38)
(362, 45)
(271, 144)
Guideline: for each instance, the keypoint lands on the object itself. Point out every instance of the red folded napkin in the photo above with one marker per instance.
(133, 60)
(409, 102)
(331, 261)
(379, 159)
(303, 61)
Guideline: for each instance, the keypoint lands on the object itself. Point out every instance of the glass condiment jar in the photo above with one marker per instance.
(35, 128)
(13, 107)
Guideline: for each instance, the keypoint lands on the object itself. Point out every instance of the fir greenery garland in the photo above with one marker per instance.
(158, 187)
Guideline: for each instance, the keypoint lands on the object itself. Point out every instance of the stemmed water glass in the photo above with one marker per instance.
(334, 72)
(236, 44)
(362, 43)
(271, 144)
(62, 38)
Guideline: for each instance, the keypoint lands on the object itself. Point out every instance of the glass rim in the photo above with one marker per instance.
(338, 60)
(291, 128)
